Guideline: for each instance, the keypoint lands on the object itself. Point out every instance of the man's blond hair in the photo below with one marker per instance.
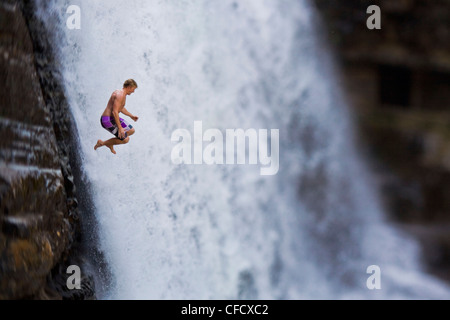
(130, 83)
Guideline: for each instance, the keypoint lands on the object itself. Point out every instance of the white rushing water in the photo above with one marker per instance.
(225, 231)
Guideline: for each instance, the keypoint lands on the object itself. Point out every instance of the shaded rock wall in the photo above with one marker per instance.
(40, 229)
(398, 81)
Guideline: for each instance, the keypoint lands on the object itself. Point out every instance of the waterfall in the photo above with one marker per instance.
(225, 231)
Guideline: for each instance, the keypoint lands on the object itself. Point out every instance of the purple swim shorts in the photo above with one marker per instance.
(110, 124)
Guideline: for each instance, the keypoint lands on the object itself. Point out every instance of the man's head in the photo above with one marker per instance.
(130, 85)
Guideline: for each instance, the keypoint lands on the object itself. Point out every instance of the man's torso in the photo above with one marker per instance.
(117, 95)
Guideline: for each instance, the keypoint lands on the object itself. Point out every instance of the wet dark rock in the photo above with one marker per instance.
(40, 228)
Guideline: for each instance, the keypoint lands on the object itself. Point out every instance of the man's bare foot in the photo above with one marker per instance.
(98, 145)
(112, 149)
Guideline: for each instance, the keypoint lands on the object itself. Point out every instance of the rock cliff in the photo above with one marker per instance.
(40, 228)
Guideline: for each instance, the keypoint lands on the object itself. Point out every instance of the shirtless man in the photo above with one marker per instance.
(110, 117)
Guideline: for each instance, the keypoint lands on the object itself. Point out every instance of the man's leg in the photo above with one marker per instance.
(111, 143)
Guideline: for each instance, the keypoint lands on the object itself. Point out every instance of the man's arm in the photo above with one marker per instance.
(127, 113)
(115, 112)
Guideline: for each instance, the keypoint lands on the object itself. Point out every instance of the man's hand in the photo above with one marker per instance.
(121, 133)
(135, 119)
